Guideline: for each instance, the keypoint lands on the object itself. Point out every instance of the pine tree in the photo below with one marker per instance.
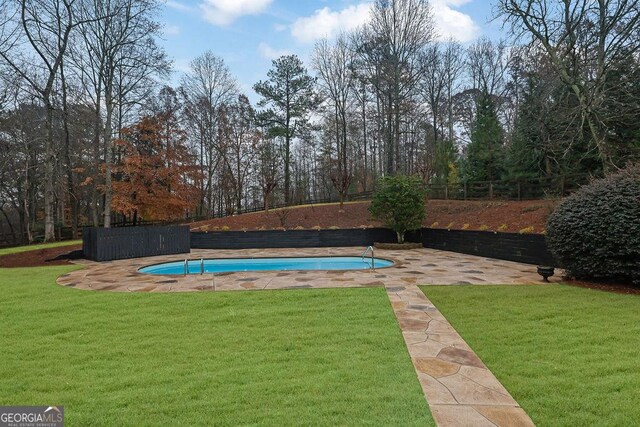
(485, 152)
(289, 97)
(524, 157)
(446, 155)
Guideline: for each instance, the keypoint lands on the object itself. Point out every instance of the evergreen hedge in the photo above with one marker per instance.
(595, 233)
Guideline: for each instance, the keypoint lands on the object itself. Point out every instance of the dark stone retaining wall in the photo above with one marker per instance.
(290, 238)
(107, 244)
(526, 248)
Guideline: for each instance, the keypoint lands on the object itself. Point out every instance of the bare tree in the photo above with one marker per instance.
(453, 66)
(241, 150)
(584, 40)
(206, 87)
(433, 86)
(119, 41)
(267, 169)
(35, 39)
(487, 64)
(333, 63)
(390, 49)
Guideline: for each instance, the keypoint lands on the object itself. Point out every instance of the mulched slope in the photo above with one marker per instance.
(472, 215)
(39, 257)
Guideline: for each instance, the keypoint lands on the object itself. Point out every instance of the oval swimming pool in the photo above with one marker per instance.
(230, 265)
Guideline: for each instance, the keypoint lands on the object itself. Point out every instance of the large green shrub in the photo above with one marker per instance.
(595, 233)
(399, 204)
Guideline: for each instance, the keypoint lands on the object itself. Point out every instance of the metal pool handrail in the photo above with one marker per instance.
(186, 266)
(369, 248)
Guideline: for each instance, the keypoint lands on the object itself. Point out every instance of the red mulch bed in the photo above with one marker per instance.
(606, 287)
(508, 216)
(39, 257)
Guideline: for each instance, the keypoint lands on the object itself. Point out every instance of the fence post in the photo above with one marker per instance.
(490, 189)
(519, 191)
(446, 191)
(465, 190)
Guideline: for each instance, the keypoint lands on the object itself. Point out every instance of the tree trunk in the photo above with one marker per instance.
(287, 174)
(400, 235)
(49, 227)
(107, 162)
(73, 202)
(11, 229)
(26, 196)
(364, 142)
(389, 137)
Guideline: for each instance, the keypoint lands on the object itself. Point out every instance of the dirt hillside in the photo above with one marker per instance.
(509, 216)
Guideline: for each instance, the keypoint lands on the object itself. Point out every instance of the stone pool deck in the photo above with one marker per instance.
(459, 388)
(418, 266)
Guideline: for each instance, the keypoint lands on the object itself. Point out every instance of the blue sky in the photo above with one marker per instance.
(248, 34)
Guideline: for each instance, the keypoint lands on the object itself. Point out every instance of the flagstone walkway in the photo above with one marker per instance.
(459, 388)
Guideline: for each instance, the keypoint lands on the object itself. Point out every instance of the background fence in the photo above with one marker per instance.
(107, 244)
(522, 189)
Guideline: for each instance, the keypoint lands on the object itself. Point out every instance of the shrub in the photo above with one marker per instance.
(527, 230)
(595, 233)
(399, 204)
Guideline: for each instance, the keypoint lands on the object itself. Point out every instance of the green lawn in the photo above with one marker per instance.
(18, 249)
(318, 357)
(570, 356)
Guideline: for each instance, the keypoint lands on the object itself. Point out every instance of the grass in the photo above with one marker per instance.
(569, 356)
(27, 248)
(317, 357)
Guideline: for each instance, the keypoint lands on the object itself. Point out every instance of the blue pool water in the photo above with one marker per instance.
(267, 264)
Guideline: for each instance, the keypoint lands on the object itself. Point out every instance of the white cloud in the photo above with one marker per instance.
(451, 23)
(224, 12)
(171, 30)
(280, 27)
(268, 52)
(327, 23)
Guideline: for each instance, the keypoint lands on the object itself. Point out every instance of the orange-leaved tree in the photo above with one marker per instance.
(157, 176)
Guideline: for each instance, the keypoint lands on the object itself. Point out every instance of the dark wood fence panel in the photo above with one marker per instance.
(106, 244)
(525, 248)
(290, 238)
